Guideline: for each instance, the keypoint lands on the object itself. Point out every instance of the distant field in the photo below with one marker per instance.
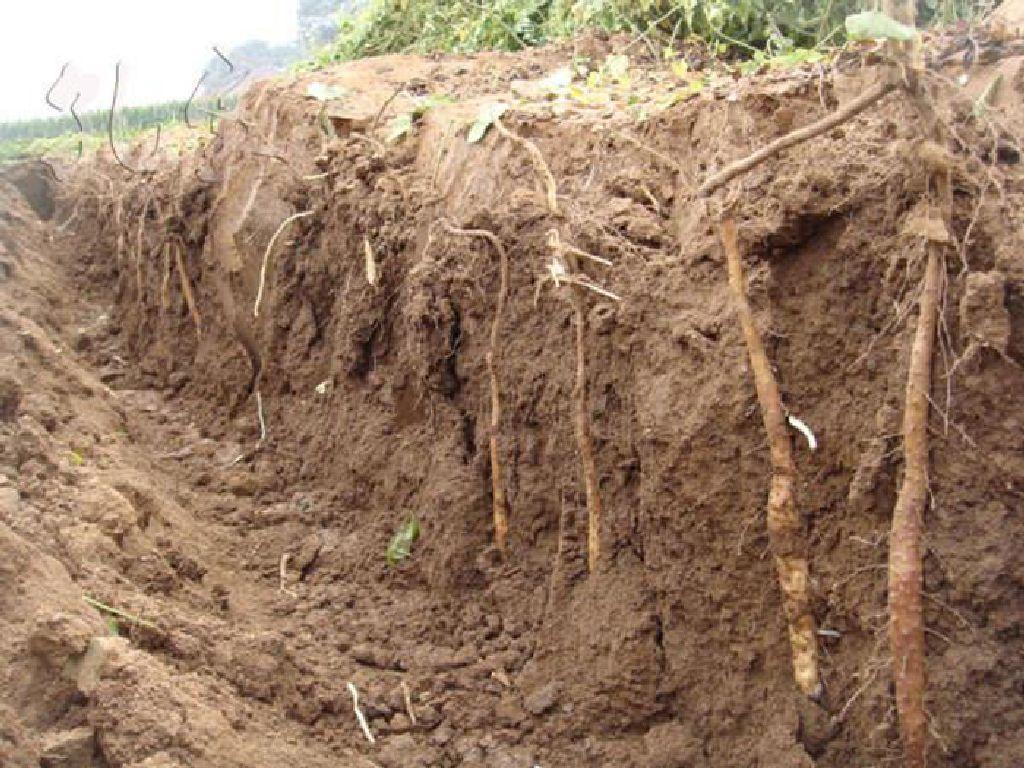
(63, 135)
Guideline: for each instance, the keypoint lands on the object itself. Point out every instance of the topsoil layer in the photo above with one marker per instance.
(230, 479)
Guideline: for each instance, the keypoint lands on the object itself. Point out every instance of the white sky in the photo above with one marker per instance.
(163, 45)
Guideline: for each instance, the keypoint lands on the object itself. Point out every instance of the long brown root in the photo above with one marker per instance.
(165, 283)
(500, 500)
(906, 627)
(784, 529)
(827, 123)
(139, 280)
(539, 163)
(577, 288)
(186, 290)
(583, 437)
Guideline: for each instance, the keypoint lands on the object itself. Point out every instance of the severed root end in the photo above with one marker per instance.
(794, 581)
(805, 661)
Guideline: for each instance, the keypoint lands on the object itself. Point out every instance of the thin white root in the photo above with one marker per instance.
(408, 702)
(282, 572)
(259, 413)
(67, 222)
(371, 263)
(803, 429)
(560, 268)
(558, 274)
(359, 714)
(319, 176)
(555, 242)
(266, 256)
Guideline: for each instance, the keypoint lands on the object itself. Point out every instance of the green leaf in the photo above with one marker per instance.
(557, 82)
(399, 126)
(616, 66)
(401, 543)
(484, 120)
(429, 102)
(875, 25)
(324, 92)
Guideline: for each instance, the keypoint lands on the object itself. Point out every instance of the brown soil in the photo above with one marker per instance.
(132, 470)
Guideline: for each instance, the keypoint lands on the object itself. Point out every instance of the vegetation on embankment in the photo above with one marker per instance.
(744, 28)
(733, 26)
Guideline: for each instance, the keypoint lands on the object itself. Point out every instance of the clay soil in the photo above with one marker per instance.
(133, 471)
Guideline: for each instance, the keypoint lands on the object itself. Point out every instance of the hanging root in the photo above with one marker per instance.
(784, 529)
(583, 437)
(906, 628)
(360, 717)
(568, 271)
(538, 160)
(165, 283)
(139, 282)
(564, 267)
(186, 290)
(500, 500)
(260, 417)
(266, 257)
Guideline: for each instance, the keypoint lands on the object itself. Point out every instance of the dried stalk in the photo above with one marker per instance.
(386, 104)
(192, 97)
(78, 122)
(798, 136)
(500, 501)
(110, 120)
(784, 529)
(156, 144)
(225, 59)
(49, 92)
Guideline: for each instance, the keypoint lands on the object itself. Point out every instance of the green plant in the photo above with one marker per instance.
(111, 611)
(732, 27)
(402, 124)
(401, 543)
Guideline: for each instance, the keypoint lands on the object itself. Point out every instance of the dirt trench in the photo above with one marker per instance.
(233, 479)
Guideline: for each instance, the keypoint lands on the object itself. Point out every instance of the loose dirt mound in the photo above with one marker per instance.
(235, 476)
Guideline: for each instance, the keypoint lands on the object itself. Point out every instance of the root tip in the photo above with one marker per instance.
(818, 694)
